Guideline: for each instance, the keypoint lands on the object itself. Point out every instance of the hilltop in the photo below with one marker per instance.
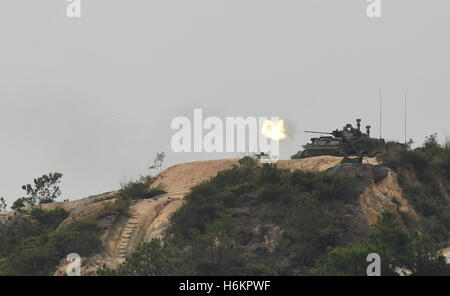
(121, 228)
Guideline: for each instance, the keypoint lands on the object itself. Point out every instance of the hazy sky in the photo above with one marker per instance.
(93, 98)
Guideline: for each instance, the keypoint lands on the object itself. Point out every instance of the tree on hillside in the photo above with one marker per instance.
(3, 205)
(156, 167)
(45, 189)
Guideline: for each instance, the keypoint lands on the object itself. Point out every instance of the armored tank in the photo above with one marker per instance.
(349, 141)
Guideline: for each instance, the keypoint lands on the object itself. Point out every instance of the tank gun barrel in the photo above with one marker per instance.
(311, 132)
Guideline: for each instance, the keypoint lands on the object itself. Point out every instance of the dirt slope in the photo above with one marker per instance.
(181, 177)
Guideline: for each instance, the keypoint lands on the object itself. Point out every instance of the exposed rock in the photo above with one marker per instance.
(272, 238)
(385, 195)
(446, 253)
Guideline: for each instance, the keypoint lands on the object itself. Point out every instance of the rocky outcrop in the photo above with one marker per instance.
(446, 253)
(382, 191)
(386, 195)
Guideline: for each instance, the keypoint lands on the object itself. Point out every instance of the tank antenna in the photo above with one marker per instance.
(380, 115)
(405, 120)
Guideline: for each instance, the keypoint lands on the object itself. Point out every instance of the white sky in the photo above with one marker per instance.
(93, 98)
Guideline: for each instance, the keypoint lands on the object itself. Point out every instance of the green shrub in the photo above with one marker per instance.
(271, 192)
(311, 228)
(49, 219)
(430, 165)
(140, 190)
(396, 247)
(119, 206)
(151, 259)
(305, 204)
(39, 255)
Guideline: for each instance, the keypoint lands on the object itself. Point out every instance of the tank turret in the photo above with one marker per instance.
(349, 141)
